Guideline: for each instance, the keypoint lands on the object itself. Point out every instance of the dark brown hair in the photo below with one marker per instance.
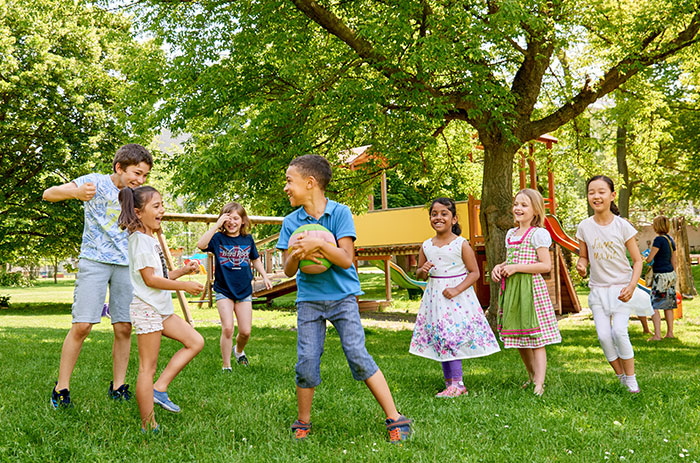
(608, 180)
(131, 154)
(452, 207)
(131, 199)
(313, 165)
(238, 209)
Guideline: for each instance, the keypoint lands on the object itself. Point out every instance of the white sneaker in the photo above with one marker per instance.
(631, 383)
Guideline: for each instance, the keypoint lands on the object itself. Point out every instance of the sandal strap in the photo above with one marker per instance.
(301, 425)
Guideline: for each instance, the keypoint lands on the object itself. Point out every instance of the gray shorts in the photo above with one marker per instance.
(91, 289)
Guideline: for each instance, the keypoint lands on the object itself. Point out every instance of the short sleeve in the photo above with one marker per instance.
(658, 242)
(253, 249)
(85, 179)
(580, 235)
(213, 242)
(541, 238)
(628, 231)
(509, 233)
(285, 234)
(344, 225)
(143, 254)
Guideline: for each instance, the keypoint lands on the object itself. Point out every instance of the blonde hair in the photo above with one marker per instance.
(661, 224)
(238, 209)
(537, 202)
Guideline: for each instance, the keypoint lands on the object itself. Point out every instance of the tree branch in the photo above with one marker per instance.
(612, 79)
(331, 23)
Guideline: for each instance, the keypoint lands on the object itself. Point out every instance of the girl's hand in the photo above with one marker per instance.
(509, 270)
(268, 283)
(222, 220)
(581, 266)
(626, 293)
(427, 266)
(450, 293)
(191, 267)
(496, 272)
(193, 287)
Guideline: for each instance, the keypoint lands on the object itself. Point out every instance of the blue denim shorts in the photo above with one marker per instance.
(219, 296)
(311, 335)
(91, 289)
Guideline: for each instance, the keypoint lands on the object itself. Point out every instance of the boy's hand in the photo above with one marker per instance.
(307, 248)
(581, 266)
(193, 287)
(86, 191)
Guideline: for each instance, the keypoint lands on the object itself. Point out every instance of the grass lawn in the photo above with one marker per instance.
(584, 416)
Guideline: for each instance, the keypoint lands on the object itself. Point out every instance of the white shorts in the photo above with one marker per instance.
(606, 297)
(145, 318)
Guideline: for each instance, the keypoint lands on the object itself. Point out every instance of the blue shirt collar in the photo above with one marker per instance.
(330, 207)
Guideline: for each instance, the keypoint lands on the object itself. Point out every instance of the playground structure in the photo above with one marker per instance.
(387, 235)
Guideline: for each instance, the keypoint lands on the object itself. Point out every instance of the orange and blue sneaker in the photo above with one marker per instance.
(119, 394)
(399, 429)
(60, 399)
(301, 430)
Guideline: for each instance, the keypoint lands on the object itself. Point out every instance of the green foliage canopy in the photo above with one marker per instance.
(64, 105)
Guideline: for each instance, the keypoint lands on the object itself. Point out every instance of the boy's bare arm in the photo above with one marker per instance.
(70, 190)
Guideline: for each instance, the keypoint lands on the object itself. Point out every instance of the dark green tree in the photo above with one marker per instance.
(65, 102)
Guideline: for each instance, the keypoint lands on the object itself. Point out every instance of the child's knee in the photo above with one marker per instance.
(308, 372)
(197, 343)
(122, 330)
(227, 331)
(81, 330)
(244, 334)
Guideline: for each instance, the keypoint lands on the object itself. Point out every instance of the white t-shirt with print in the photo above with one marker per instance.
(607, 252)
(103, 240)
(144, 251)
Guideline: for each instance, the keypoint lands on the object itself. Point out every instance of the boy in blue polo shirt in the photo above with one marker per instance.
(329, 295)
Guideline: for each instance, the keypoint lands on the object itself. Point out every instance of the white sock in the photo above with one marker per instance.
(236, 354)
(632, 383)
(622, 379)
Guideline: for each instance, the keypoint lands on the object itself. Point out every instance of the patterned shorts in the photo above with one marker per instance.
(145, 318)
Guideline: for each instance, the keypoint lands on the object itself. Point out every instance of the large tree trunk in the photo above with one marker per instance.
(623, 196)
(686, 285)
(496, 202)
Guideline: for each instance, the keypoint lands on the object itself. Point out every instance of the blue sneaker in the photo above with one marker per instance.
(399, 429)
(120, 393)
(60, 399)
(162, 399)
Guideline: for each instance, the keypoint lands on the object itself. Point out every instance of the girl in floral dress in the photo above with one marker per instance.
(526, 319)
(450, 325)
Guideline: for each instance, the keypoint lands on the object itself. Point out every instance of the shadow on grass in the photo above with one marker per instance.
(37, 309)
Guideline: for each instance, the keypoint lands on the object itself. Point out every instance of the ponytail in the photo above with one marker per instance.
(130, 200)
(452, 207)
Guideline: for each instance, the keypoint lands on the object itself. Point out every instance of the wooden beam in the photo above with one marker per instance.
(212, 218)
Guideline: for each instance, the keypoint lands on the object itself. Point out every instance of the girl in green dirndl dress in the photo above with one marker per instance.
(526, 320)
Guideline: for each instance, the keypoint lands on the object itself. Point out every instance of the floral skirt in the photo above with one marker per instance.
(663, 291)
(451, 329)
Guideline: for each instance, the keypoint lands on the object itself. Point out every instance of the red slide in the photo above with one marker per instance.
(559, 235)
